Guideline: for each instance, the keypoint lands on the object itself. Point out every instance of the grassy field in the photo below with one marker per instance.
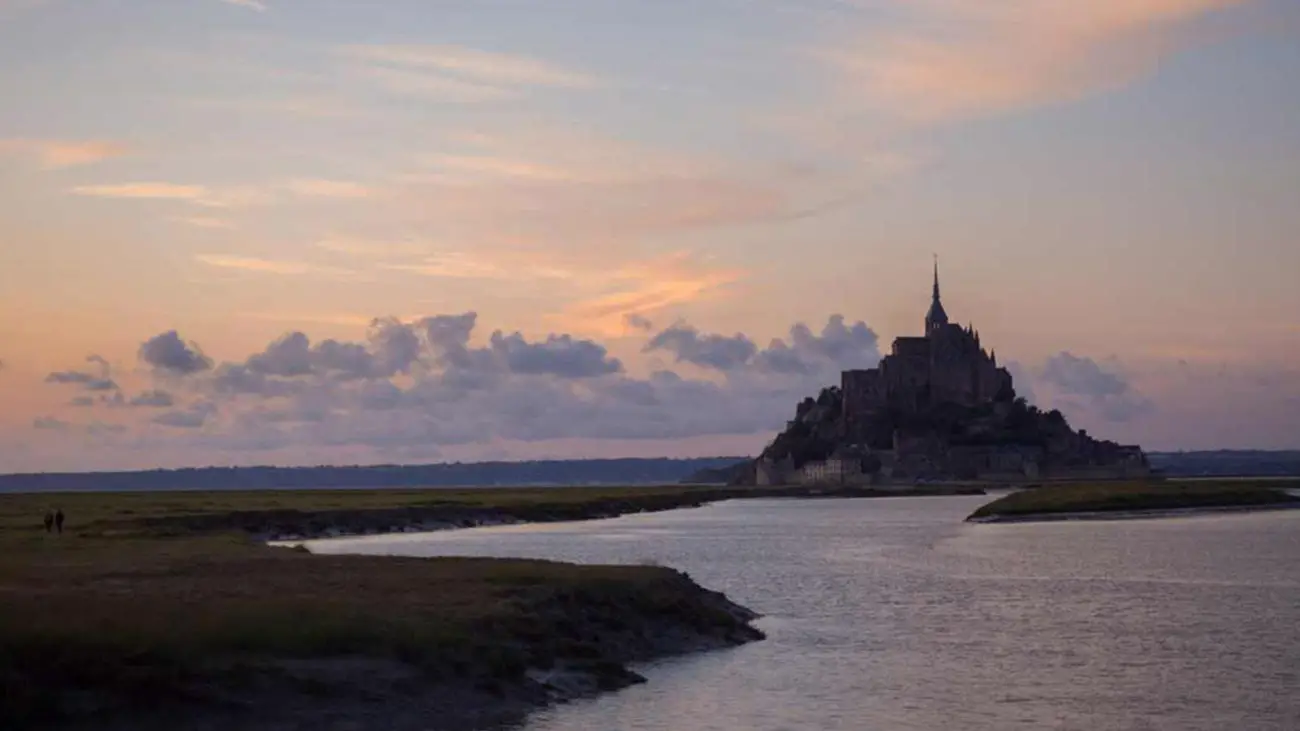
(188, 513)
(267, 513)
(160, 600)
(99, 506)
(1127, 496)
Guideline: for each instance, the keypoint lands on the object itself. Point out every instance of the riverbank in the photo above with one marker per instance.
(1137, 499)
(170, 610)
(160, 610)
(295, 515)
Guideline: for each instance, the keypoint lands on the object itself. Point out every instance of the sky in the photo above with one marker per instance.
(349, 232)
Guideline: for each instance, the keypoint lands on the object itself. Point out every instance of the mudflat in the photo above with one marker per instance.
(167, 610)
(1138, 497)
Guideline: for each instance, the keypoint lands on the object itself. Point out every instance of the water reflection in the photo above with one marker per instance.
(892, 614)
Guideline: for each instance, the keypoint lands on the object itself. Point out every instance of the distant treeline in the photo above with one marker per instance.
(469, 474)
(1227, 463)
(1236, 463)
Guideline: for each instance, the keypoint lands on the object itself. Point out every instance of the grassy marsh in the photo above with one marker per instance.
(154, 601)
(1109, 497)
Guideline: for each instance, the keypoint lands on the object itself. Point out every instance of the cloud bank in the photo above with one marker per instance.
(167, 353)
(1080, 384)
(426, 388)
(418, 386)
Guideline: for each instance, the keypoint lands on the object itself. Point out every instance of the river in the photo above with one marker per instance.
(893, 615)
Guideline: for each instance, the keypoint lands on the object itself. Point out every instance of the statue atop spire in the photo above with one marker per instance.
(936, 317)
(936, 278)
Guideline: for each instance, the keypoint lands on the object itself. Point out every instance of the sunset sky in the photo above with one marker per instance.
(347, 231)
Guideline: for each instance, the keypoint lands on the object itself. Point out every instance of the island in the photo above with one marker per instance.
(169, 610)
(1137, 499)
(938, 407)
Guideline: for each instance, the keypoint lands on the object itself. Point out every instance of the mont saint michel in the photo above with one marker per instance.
(937, 407)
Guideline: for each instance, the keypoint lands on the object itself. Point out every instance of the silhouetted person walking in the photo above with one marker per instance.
(49, 521)
(58, 521)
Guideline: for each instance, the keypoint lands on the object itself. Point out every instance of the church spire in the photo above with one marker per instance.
(936, 317)
(936, 277)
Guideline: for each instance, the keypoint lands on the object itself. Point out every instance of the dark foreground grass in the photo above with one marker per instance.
(1137, 496)
(138, 610)
(137, 510)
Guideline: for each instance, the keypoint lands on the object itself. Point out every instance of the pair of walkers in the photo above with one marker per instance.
(54, 521)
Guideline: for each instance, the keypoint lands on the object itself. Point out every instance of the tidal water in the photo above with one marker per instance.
(892, 615)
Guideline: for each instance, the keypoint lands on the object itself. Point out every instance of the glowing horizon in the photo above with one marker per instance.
(638, 204)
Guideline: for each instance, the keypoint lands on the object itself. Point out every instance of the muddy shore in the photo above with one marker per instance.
(167, 611)
(580, 644)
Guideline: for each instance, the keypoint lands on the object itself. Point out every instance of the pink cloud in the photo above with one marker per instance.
(55, 154)
(482, 66)
(955, 59)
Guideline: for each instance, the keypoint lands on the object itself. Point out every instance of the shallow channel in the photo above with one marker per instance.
(892, 614)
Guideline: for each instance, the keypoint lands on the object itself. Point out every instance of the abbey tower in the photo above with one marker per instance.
(937, 407)
(946, 365)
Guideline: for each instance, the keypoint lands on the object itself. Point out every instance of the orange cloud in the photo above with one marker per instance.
(460, 265)
(54, 154)
(567, 186)
(435, 86)
(587, 218)
(372, 248)
(560, 153)
(234, 196)
(318, 188)
(341, 319)
(642, 289)
(469, 167)
(562, 205)
(317, 106)
(151, 190)
(205, 222)
(267, 266)
(199, 195)
(482, 66)
(961, 59)
(600, 290)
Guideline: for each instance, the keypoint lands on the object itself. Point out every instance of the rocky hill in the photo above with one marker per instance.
(947, 440)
